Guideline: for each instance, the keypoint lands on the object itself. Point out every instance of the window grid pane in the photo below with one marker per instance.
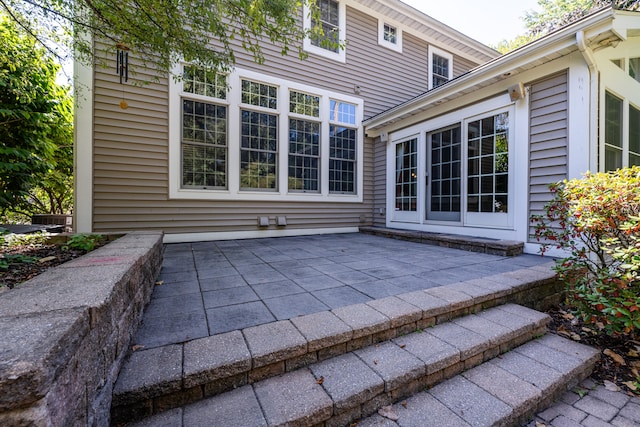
(259, 94)
(329, 21)
(200, 81)
(440, 70)
(342, 159)
(304, 155)
(259, 150)
(342, 112)
(445, 170)
(488, 164)
(302, 103)
(204, 140)
(612, 132)
(390, 34)
(407, 176)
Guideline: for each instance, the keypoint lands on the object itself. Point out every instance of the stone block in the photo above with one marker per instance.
(479, 294)
(597, 407)
(430, 305)
(517, 393)
(329, 352)
(344, 418)
(300, 361)
(172, 418)
(494, 332)
(395, 365)
(149, 373)
(177, 399)
(398, 311)
(235, 408)
(362, 319)
(322, 329)
(274, 342)
(268, 371)
(576, 350)
(294, 399)
(426, 411)
(457, 300)
(211, 358)
(467, 342)
(358, 343)
(549, 381)
(435, 353)
(471, 403)
(348, 381)
(225, 384)
(539, 319)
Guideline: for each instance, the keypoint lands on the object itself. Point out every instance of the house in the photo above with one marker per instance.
(412, 126)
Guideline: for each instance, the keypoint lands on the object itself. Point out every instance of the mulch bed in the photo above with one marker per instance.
(52, 255)
(620, 356)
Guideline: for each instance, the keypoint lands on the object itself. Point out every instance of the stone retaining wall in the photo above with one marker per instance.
(64, 334)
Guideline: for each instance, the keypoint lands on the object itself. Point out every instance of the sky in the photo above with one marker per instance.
(488, 22)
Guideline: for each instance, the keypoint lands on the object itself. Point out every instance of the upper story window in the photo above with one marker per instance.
(332, 20)
(389, 35)
(440, 67)
(634, 68)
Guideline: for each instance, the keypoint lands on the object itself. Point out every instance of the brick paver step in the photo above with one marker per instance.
(350, 385)
(150, 381)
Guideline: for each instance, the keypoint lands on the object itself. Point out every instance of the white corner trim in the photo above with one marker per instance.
(341, 54)
(83, 148)
(257, 234)
(397, 46)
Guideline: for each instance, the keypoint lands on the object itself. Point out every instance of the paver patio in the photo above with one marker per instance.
(210, 288)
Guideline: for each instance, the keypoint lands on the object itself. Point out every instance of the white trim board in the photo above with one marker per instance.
(257, 234)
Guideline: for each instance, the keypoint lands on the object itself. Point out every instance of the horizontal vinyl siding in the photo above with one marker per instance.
(131, 146)
(547, 139)
(380, 183)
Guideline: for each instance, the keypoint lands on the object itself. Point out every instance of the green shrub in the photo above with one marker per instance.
(596, 221)
(85, 242)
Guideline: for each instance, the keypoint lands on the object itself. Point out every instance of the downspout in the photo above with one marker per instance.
(587, 54)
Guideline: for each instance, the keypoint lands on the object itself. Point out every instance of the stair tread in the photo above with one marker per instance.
(258, 347)
(502, 391)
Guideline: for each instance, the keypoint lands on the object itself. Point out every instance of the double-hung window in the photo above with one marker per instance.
(331, 18)
(389, 35)
(204, 129)
(440, 67)
(342, 147)
(304, 142)
(258, 136)
(248, 136)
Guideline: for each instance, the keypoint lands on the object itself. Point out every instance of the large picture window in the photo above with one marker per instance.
(249, 136)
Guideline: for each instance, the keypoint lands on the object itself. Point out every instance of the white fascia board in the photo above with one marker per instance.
(83, 148)
(486, 53)
(480, 76)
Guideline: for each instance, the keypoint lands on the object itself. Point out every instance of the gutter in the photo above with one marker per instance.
(593, 101)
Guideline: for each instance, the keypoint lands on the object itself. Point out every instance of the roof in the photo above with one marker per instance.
(427, 27)
(600, 29)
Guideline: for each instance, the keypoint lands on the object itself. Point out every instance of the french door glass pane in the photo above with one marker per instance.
(488, 164)
(407, 175)
(444, 185)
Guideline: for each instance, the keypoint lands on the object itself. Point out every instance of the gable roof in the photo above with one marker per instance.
(600, 29)
(434, 31)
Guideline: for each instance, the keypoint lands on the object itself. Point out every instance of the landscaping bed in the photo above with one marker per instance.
(619, 364)
(27, 256)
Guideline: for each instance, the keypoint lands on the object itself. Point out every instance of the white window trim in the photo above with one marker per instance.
(434, 50)
(233, 191)
(397, 46)
(341, 54)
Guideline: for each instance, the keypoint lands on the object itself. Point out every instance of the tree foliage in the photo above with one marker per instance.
(162, 32)
(36, 133)
(555, 14)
